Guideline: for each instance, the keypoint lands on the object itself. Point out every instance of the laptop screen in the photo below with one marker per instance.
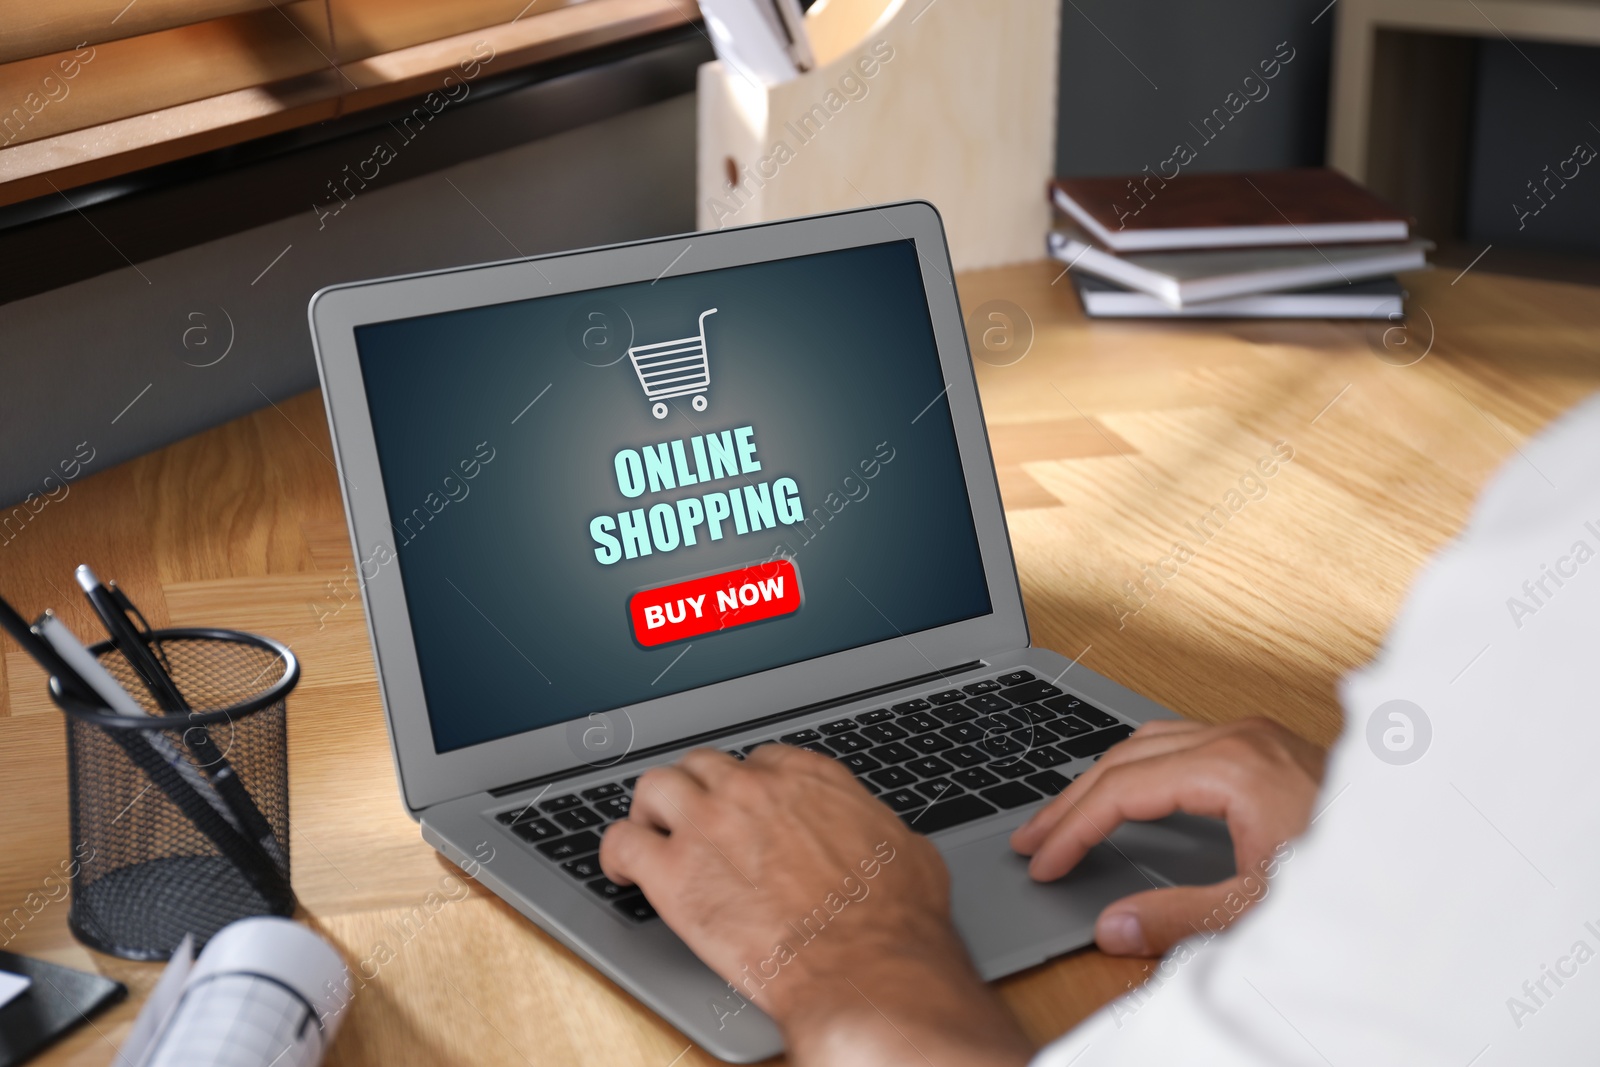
(603, 497)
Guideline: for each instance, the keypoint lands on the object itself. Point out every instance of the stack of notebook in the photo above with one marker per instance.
(1271, 244)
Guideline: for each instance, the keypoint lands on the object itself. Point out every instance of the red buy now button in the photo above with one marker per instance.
(719, 602)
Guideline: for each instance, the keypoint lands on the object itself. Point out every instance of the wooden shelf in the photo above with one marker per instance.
(79, 157)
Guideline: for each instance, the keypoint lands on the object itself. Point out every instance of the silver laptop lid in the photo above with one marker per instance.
(606, 500)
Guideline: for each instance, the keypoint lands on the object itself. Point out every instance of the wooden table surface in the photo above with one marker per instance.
(1112, 441)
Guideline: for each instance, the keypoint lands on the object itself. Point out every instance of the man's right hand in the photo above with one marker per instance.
(815, 902)
(1255, 774)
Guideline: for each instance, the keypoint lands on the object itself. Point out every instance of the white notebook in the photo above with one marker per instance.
(1180, 279)
(1378, 298)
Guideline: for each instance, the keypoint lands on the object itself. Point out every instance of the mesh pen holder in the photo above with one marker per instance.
(180, 822)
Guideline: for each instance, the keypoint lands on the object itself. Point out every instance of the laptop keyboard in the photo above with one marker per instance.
(938, 761)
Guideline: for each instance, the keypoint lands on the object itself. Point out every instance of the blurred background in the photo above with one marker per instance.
(177, 177)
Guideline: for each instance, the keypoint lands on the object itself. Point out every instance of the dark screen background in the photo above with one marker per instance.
(830, 357)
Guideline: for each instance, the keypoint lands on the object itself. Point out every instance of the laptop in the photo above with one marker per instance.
(723, 489)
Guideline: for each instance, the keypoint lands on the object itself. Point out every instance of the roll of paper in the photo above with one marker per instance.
(264, 993)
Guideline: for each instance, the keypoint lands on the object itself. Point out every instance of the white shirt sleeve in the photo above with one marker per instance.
(1444, 906)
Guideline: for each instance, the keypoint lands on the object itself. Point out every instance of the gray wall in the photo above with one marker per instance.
(1136, 73)
(1535, 104)
(120, 360)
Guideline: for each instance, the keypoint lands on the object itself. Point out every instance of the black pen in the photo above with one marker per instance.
(141, 751)
(159, 758)
(126, 637)
(132, 644)
(45, 656)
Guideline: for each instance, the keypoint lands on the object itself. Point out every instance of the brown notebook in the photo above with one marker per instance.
(1147, 213)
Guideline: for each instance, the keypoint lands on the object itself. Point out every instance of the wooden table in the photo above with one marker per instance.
(1112, 441)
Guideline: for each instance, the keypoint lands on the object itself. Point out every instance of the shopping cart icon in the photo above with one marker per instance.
(674, 368)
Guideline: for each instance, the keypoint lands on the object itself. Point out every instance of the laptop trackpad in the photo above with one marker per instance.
(1010, 922)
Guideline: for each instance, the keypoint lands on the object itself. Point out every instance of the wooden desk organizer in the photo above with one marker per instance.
(951, 101)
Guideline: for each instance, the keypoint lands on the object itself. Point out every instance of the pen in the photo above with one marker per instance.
(241, 810)
(159, 758)
(42, 653)
(126, 637)
(109, 692)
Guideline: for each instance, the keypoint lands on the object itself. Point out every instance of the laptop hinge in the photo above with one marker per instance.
(711, 736)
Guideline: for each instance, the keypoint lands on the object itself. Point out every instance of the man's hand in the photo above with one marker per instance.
(1254, 773)
(813, 899)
